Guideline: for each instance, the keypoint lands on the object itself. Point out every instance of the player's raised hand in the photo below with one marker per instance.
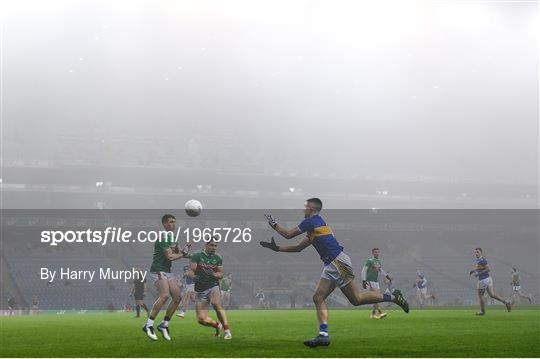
(272, 245)
(271, 220)
(186, 248)
(210, 272)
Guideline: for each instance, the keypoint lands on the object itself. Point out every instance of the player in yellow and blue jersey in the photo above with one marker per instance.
(337, 271)
(485, 283)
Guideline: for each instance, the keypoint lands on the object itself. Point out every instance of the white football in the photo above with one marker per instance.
(193, 208)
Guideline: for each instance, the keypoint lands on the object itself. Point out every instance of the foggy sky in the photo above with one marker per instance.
(403, 88)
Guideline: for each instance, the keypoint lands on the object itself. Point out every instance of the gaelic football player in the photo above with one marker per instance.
(370, 280)
(189, 292)
(420, 283)
(485, 283)
(165, 251)
(207, 270)
(337, 270)
(226, 285)
(137, 291)
(516, 287)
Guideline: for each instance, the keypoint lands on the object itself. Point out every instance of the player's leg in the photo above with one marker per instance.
(162, 284)
(324, 289)
(356, 297)
(143, 306)
(512, 298)
(215, 301)
(163, 297)
(418, 298)
(495, 296)
(201, 309)
(184, 304)
(138, 308)
(522, 294)
(376, 306)
(174, 293)
(482, 301)
(226, 299)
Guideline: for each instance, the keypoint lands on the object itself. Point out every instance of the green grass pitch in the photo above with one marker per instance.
(280, 333)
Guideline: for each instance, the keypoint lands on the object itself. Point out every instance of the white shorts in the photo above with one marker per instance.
(517, 288)
(339, 271)
(190, 288)
(484, 283)
(156, 276)
(374, 285)
(206, 295)
(422, 290)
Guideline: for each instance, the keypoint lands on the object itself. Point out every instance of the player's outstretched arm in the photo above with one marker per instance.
(284, 232)
(296, 248)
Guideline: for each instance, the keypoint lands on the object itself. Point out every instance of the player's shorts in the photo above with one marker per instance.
(484, 283)
(374, 285)
(156, 276)
(205, 295)
(190, 287)
(516, 288)
(138, 295)
(422, 290)
(339, 271)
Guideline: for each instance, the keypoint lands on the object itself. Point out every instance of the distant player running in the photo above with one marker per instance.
(207, 270)
(516, 287)
(370, 280)
(226, 285)
(337, 271)
(485, 283)
(165, 251)
(189, 292)
(420, 284)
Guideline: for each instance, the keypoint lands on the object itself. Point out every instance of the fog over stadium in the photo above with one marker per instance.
(305, 94)
(415, 122)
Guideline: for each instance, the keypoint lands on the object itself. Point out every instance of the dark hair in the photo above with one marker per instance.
(374, 249)
(214, 239)
(317, 202)
(479, 249)
(166, 217)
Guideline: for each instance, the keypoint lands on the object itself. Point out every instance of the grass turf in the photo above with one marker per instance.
(280, 333)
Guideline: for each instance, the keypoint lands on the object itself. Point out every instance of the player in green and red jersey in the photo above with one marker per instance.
(207, 269)
(165, 251)
(370, 279)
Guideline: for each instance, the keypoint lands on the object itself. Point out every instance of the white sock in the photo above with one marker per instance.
(150, 322)
(325, 334)
(165, 323)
